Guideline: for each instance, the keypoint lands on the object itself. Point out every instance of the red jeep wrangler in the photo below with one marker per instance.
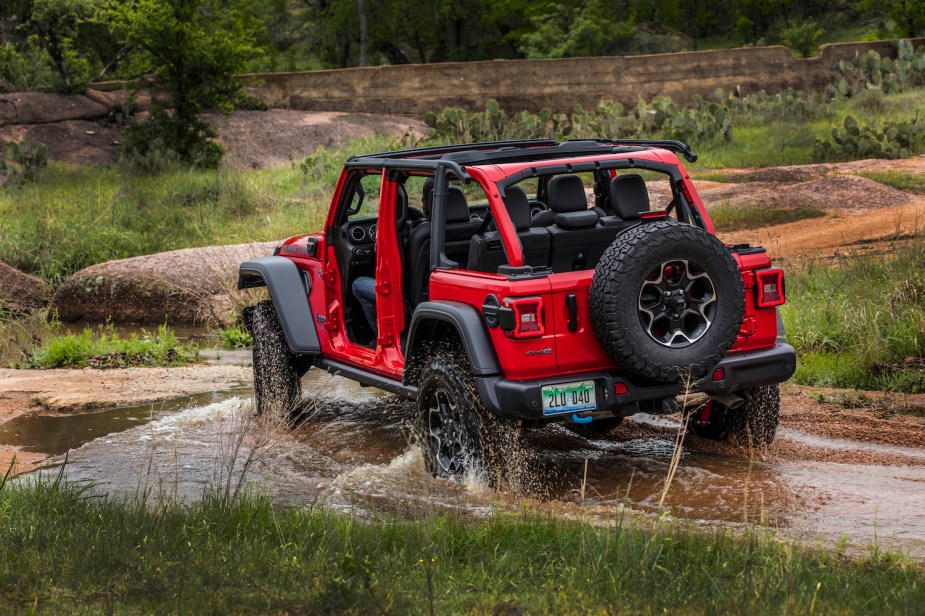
(538, 281)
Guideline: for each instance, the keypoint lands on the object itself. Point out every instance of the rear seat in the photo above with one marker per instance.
(486, 252)
(578, 239)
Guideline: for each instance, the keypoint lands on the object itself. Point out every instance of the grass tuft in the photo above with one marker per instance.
(104, 348)
(235, 337)
(908, 182)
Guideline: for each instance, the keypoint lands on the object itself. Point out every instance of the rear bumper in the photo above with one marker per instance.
(523, 399)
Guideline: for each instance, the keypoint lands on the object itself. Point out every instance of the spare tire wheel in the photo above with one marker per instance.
(667, 301)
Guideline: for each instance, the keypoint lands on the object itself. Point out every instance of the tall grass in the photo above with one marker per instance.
(860, 323)
(62, 551)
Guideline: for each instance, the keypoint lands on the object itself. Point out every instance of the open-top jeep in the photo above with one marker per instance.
(537, 281)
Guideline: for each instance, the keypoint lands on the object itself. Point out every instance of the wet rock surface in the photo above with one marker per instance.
(189, 286)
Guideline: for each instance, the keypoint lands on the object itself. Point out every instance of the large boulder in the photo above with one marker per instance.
(21, 292)
(189, 286)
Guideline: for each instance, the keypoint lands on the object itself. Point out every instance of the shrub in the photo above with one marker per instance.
(897, 74)
(802, 38)
(21, 163)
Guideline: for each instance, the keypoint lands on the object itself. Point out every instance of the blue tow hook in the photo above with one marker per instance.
(574, 418)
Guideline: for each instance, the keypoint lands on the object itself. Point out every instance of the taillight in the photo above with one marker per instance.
(522, 317)
(769, 288)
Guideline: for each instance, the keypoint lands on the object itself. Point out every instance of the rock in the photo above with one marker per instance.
(189, 286)
(21, 292)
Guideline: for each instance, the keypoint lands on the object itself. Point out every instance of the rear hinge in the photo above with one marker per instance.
(748, 279)
(749, 326)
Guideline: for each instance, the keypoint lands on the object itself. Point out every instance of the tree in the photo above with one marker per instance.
(193, 49)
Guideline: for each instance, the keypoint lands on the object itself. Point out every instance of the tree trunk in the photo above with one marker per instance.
(364, 32)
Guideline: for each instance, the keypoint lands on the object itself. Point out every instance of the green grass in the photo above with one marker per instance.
(235, 337)
(728, 217)
(859, 324)
(908, 182)
(64, 551)
(104, 348)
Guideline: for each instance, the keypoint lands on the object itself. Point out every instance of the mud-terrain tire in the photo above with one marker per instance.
(640, 322)
(753, 425)
(459, 437)
(599, 428)
(277, 390)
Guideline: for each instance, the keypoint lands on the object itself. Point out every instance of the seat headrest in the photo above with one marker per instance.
(566, 193)
(518, 207)
(456, 208)
(629, 196)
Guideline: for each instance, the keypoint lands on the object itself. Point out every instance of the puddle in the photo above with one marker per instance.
(56, 434)
(354, 453)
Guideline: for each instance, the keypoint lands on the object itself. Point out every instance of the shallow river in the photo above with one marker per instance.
(355, 453)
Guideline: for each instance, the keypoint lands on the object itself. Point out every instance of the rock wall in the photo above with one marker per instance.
(558, 84)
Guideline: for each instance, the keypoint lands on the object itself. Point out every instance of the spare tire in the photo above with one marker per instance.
(667, 301)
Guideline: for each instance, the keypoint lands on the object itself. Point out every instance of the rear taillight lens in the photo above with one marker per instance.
(769, 288)
(527, 313)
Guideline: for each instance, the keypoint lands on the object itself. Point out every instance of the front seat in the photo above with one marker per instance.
(564, 194)
(458, 231)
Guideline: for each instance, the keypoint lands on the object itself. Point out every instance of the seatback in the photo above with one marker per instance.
(564, 194)
(486, 252)
(459, 230)
(629, 196)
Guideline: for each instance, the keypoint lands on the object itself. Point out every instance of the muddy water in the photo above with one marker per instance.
(354, 453)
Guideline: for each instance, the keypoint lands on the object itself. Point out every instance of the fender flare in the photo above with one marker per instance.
(469, 325)
(289, 293)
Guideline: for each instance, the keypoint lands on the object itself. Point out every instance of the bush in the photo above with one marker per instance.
(802, 38)
(888, 74)
(20, 163)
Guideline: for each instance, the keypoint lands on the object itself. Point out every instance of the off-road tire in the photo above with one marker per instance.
(615, 299)
(277, 390)
(753, 425)
(597, 429)
(459, 437)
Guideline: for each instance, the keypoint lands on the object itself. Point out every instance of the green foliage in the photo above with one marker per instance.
(802, 38)
(24, 66)
(63, 551)
(236, 337)
(703, 122)
(21, 163)
(104, 348)
(906, 70)
(196, 48)
(896, 139)
(859, 324)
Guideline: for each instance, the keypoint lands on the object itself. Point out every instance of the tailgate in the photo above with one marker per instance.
(577, 348)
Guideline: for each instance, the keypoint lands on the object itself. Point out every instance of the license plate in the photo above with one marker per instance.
(569, 397)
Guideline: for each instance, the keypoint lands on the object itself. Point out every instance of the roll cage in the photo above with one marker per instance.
(505, 163)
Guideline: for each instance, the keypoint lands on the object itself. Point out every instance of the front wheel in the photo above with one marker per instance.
(752, 425)
(459, 437)
(277, 390)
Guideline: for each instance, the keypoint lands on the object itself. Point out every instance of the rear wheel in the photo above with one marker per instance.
(752, 425)
(459, 437)
(277, 390)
